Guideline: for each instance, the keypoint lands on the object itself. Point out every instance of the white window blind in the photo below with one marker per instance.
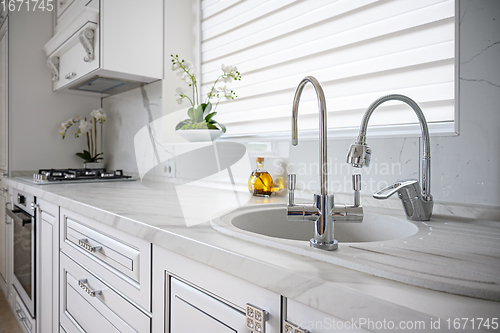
(359, 50)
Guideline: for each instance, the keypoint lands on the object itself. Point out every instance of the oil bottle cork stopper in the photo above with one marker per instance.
(260, 159)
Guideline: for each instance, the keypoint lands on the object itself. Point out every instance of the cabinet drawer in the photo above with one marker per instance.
(90, 304)
(23, 316)
(121, 260)
(118, 255)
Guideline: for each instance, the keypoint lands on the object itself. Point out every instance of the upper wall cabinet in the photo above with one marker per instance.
(106, 46)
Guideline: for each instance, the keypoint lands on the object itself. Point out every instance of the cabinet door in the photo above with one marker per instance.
(47, 239)
(194, 311)
(4, 94)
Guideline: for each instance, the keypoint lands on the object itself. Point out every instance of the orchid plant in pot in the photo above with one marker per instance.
(88, 130)
(201, 115)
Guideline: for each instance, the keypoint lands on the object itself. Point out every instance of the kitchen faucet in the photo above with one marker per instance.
(417, 204)
(323, 211)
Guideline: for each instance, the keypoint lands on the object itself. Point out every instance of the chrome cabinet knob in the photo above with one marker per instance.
(70, 75)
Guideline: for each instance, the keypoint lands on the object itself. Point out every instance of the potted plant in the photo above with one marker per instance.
(88, 130)
(201, 115)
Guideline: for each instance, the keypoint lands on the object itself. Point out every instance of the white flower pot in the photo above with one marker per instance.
(93, 165)
(200, 135)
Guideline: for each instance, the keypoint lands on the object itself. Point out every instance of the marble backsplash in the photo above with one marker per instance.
(465, 167)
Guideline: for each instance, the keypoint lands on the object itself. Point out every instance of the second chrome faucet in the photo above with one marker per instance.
(323, 211)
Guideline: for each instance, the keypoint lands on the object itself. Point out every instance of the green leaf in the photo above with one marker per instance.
(207, 108)
(209, 116)
(191, 114)
(198, 114)
(181, 124)
(222, 127)
(85, 155)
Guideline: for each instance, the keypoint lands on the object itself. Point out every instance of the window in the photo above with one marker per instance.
(358, 49)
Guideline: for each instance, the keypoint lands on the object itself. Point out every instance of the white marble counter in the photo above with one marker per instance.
(155, 215)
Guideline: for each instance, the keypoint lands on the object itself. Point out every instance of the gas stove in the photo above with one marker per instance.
(58, 176)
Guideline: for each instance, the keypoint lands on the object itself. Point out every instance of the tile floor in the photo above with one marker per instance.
(8, 323)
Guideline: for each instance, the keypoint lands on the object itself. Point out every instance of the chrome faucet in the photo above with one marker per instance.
(417, 203)
(323, 211)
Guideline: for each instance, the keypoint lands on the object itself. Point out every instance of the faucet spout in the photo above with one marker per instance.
(323, 211)
(323, 171)
(359, 155)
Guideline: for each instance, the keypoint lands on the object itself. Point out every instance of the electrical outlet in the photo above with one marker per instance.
(169, 169)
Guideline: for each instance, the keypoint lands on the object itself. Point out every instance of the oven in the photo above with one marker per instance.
(24, 223)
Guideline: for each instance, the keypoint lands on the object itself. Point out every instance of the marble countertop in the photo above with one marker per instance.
(156, 216)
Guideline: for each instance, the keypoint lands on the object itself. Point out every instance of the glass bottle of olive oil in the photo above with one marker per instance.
(260, 182)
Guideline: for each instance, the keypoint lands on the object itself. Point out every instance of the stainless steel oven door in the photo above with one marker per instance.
(24, 256)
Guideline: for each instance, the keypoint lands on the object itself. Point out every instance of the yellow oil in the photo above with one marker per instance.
(260, 182)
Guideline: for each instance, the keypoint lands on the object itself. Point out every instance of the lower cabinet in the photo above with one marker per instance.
(47, 240)
(193, 297)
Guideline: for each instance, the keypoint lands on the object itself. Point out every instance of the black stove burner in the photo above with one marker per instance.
(52, 175)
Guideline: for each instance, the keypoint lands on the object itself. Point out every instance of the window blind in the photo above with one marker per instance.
(359, 50)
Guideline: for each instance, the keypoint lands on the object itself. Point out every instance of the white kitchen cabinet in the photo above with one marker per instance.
(106, 47)
(47, 240)
(4, 94)
(193, 297)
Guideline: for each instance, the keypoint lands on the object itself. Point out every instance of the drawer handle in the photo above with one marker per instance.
(84, 242)
(83, 284)
(20, 314)
(70, 75)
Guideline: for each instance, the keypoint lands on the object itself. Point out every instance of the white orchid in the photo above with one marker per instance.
(87, 129)
(201, 114)
(229, 70)
(84, 127)
(179, 96)
(99, 115)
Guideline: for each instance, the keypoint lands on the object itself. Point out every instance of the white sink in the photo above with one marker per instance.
(264, 223)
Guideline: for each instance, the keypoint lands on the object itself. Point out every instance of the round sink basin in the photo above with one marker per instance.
(270, 220)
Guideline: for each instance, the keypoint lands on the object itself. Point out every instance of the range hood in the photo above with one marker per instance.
(98, 51)
(106, 85)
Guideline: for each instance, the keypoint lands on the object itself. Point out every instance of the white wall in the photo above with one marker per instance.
(465, 168)
(36, 111)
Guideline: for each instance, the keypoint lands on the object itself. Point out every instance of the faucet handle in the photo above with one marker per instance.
(356, 186)
(292, 181)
